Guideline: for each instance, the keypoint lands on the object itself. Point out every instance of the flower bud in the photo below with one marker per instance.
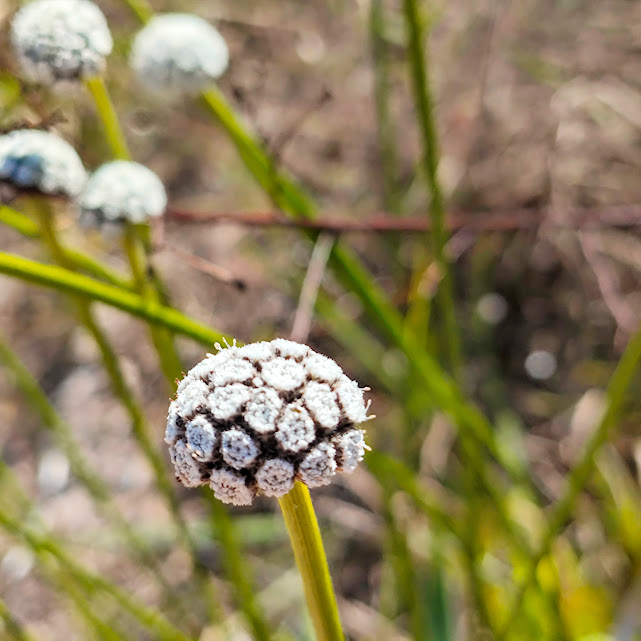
(122, 191)
(32, 159)
(179, 52)
(255, 418)
(58, 40)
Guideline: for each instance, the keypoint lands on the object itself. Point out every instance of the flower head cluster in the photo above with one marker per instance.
(179, 52)
(122, 191)
(254, 418)
(42, 161)
(58, 40)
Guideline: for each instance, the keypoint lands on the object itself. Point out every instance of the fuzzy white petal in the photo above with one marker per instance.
(238, 449)
(283, 374)
(275, 477)
(262, 410)
(295, 428)
(202, 438)
(230, 487)
(321, 401)
(319, 466)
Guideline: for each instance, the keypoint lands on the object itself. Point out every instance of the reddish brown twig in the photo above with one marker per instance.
(596, 218)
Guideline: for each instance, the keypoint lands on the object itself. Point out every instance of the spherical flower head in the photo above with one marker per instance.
(36, 160)
(61, 40)
(254, 419)
(179, 52)
(122, 191)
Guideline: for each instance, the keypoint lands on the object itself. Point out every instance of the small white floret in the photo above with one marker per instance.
(238, 449)
(283, 374)
(275, 477)
(322, 368)
(351, 398)
(179, 52)
(290, 348)
(262, 410)
(192, 398)
(230, 487)
(173, 431)
(261, 351)
(202, 438)
(123, 191)
(295, 428)
(188, 470)
(226, 402)
(350, 448)
(34, 159)
(235, 370)
(322, 404)
(318, 466)
(58, 40)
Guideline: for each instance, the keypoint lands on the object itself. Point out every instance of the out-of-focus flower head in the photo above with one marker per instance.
(179, 52)
(31, 159)
(122, 191)
(255, 418)
(61, 40)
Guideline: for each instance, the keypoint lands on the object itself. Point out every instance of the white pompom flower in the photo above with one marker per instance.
(35, 160)
(61, 40)
(254, 419)
(179, 52)
(122, 191)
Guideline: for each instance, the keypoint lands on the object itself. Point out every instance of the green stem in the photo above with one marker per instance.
(144, 285)
(386, 138)
(307, 544)
(12, 626)
(82, 262)
(235, 568)
(580, 474)
(133, 234)
(113, 132)
(64, 280)
(425, 110)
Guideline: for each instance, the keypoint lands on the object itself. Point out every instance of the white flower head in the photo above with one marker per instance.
(32, 159)
(179, 52)
(122, 191)
(61, 40)
(253, 419)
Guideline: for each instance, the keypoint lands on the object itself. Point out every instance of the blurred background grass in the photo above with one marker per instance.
(537, 109)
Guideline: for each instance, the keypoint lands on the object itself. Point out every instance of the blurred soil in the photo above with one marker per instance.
(539, 108)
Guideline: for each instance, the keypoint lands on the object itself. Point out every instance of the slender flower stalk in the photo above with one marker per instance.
(134, 242)
(414, 22)
(309, 553)
(79, 261)
(113, 132)
(11, 625)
